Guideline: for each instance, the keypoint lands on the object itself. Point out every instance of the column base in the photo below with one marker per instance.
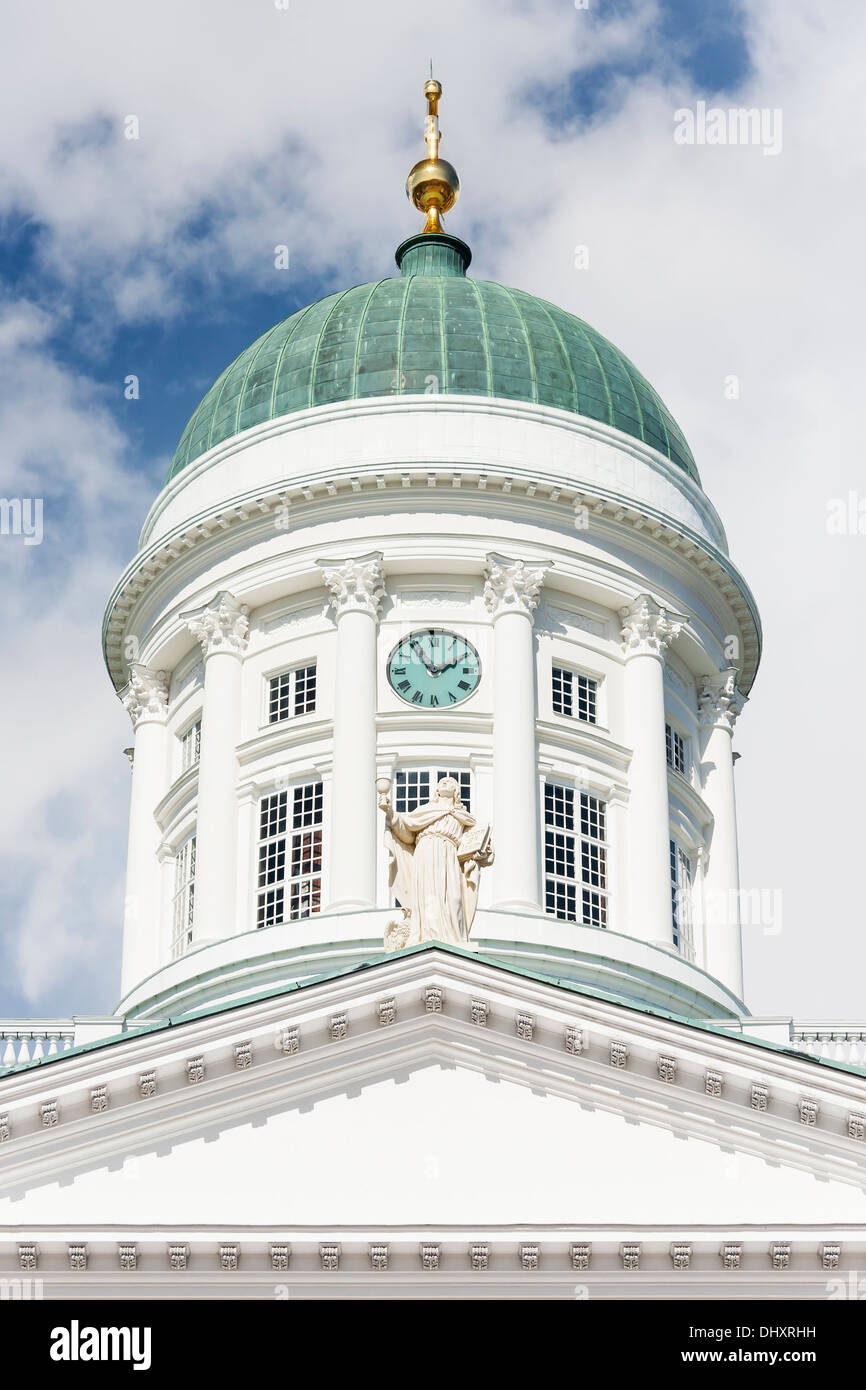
(347, 905)
(518, 905)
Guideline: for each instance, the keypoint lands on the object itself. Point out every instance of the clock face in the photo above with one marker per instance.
(432, 667)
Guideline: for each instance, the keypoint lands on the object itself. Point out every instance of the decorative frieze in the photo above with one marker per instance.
(50, 1114)
(528, 1255)
(77, 1257)
(429, 1257)
(178, 1257)
(146, 694)
(780, 1254)
(386, 1012)
(355, 585)
(434, 997)
(289, 1041)
(581, 1255)
(243, 1056)
(618, 1053)
(714, 1083)
(681, 1256)
(524, 1025)
(222, 626)
(280, 1256)
(479, 1256)
(829, 1255)
(338, 1026)
(229, 1256)
(99, 1099)
(127, 1255)
(630, 1255)
(760, 1096)
(647, 627)
(379, 1255)
(479, 1010)
(5, 1129)
(667, 1069)
(512, 586)
(28, 1258)
(574, 1040)
(147, 1085)
(856, 1126)
(719, 700)
(329, 1255)
(195, 1070)
(732, 1255)
(808, 1111)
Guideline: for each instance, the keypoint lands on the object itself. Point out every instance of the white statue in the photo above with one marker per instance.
(437, 852)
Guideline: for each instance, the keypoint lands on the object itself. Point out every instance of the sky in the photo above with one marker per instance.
(730, 273)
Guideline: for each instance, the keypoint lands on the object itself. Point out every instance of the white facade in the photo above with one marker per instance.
(578, 1103)
(492, 526)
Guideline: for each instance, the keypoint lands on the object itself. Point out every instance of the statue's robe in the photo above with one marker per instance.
(427, 875)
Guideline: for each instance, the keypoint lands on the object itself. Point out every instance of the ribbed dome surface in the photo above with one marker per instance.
(431, 333)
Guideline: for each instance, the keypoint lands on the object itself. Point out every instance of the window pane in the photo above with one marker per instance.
(290, 855)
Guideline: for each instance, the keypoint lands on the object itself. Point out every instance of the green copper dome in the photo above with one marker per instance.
(430, 330)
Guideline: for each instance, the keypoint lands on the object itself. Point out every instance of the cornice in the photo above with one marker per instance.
(550, 498)
(449, 1007)
(571, 1260)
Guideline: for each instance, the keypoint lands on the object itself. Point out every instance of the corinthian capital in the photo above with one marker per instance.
(146, 695)
(223, 626)
(512, 586)
(647, 628)
(719, 700)
(355, 584)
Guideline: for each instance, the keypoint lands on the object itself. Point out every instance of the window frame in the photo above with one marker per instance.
(433, 772)
(183, 734)
(682, 921)
(271, 856)
(577, 674)
(183, 897)
(676, 733)
(291, 670)
(588, 854)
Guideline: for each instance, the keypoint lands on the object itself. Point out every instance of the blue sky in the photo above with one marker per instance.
(260, 127)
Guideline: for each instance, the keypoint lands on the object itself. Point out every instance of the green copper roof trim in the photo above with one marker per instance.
(433, 254)
(389, 337)
(133, 1031)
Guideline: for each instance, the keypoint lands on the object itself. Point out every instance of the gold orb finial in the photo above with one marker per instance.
(433, 185)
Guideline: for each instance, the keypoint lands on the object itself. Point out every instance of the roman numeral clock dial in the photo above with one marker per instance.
(432, 668)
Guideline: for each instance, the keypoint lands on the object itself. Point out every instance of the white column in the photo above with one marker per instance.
(357, 590)
(719, 703)
(146, 700)
(511, 592)
(647, 632)
(221, 628)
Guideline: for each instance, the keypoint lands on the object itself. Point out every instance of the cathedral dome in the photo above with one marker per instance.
(428, 331)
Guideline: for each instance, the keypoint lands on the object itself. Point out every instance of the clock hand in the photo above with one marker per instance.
(420, 651)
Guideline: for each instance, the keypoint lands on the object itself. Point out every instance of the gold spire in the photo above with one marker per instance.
(433, 185)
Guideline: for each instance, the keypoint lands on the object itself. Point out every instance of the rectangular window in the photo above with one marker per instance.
(575, 695)
(190, 746)
(184, 898)
(681, 901)
(676, 750)
(292, 693)
(414, 786)
(290, 855)
(575, 857)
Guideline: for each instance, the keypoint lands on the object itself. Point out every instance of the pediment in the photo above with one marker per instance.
(432, 1087)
